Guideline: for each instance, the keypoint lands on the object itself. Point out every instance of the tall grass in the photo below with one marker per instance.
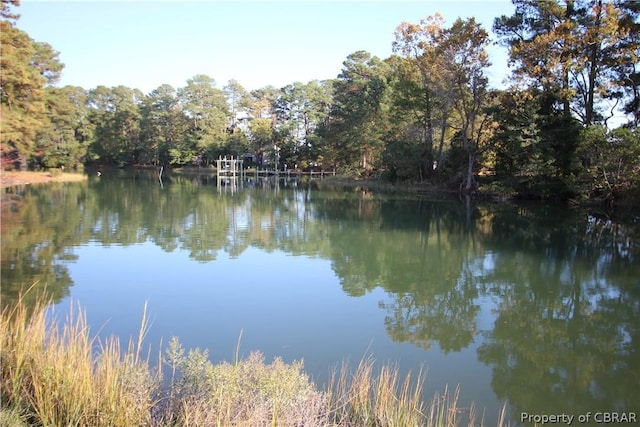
(58, 375)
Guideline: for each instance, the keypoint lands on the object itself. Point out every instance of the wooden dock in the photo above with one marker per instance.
(289, 173)
(234, 168)
(229, 167)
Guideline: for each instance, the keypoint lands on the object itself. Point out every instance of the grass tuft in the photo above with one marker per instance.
(51, 375)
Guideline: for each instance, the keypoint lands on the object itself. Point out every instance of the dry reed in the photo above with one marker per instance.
(57, 374)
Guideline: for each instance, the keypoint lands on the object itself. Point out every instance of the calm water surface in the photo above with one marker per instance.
(535, 306)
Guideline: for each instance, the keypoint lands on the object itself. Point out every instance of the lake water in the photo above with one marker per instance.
(537, 306)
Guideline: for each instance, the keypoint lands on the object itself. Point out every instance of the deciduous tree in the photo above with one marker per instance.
(464, 47)
(420, 45)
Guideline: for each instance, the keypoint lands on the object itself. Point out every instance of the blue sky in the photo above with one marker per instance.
(148, 43)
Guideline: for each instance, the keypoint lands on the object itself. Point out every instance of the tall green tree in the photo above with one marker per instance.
(64, 140)
(535, 144)
(299, 109)
(356, 126)
(116, 114)
(206, 109)
(27, 67)
(261, 136)
(262, 122)
(163, 125)
(237, 100)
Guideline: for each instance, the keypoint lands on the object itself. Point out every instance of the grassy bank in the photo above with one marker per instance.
(57, 374)
(12, 178)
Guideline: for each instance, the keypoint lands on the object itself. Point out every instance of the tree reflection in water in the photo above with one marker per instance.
(564, 286)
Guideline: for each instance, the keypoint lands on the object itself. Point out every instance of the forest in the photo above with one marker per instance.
(426, 114)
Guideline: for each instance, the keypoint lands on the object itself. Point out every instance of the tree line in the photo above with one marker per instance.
(426, 113)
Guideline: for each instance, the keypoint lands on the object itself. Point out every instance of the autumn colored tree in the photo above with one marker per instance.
(464, 47)
(625, 61)
(5, 10)
(424, 78)
(579, 59)
(570, 49)
(425, 113)
(440, 77)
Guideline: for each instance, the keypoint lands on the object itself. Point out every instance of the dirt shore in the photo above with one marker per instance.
(11, 178)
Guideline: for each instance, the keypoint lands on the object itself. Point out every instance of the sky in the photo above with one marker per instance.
(144, 44)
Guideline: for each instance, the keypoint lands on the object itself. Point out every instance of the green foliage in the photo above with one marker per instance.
(261, 135)
(238, 101)
(163, 126)
(611, 161)
(27, 68)
(248, 391)
(357, 123)
(402, 160)
(115, 113)
(206, 110)
(64, 140)
(534, 145)
(299, 110)
(22, 97)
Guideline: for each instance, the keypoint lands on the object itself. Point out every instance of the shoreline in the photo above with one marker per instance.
(14, 178)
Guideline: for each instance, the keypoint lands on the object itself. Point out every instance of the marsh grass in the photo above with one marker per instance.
(57, 374)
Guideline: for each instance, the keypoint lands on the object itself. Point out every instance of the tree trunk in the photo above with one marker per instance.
(594, 53)
(469, 182)
(22, 162)
(428, 132)
(445, 117)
